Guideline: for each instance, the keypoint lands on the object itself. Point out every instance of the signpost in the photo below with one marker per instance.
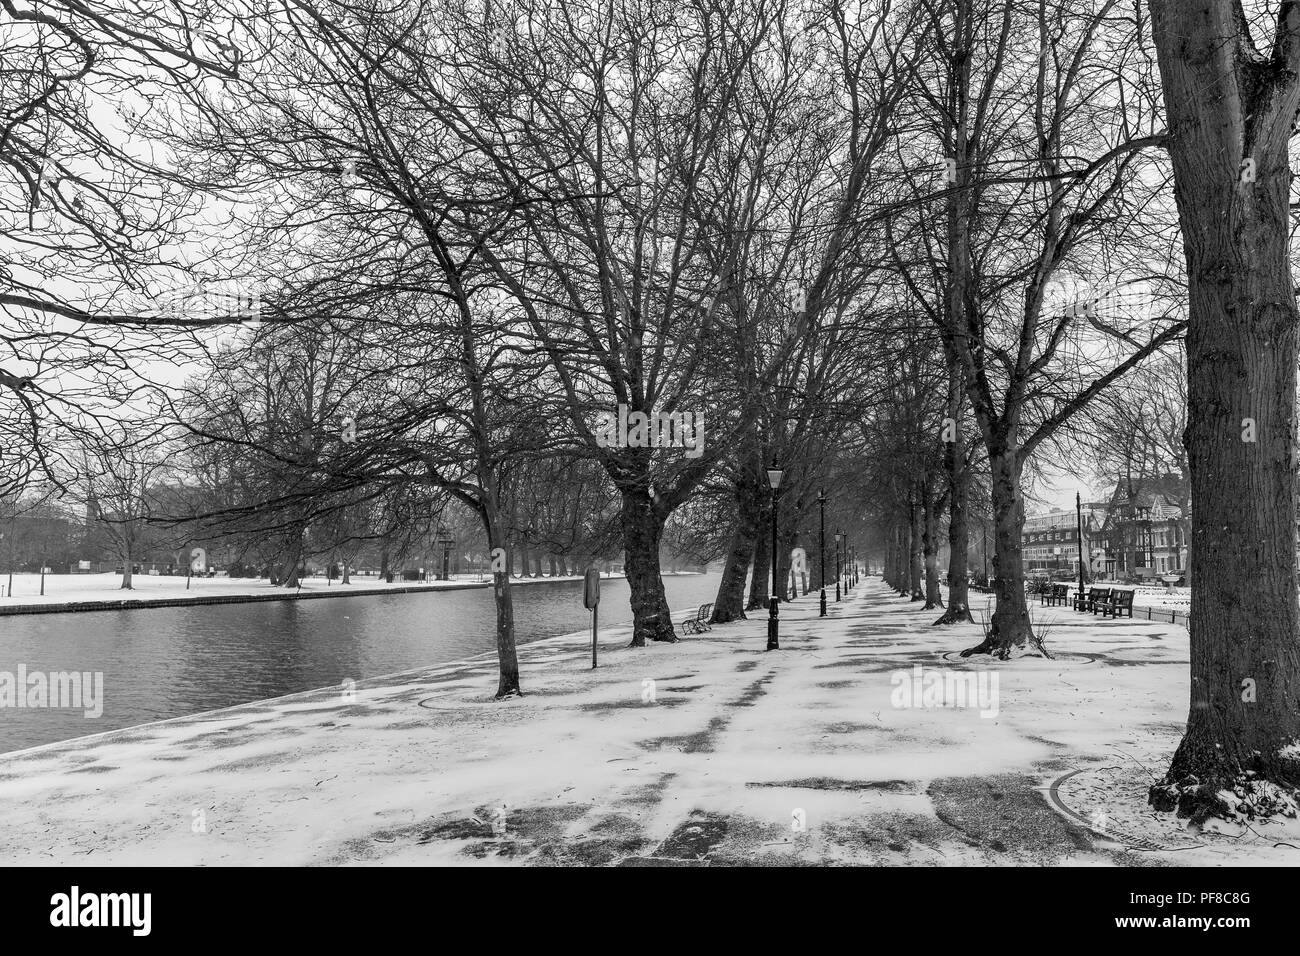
(591, 600)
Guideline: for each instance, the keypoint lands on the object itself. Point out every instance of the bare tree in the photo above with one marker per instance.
(1232, 104)
(1040, 190)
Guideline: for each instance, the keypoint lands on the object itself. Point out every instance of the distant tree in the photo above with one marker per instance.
(126, 487)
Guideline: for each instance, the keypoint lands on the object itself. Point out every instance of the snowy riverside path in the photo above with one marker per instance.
(738, 756)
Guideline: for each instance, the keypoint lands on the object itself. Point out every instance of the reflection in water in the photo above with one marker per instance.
(169, 662)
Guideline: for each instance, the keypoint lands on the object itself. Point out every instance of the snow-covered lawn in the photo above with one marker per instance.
(71, 588)
(709, 750)
(1158, 598)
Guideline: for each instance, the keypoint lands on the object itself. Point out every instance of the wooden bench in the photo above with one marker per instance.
(1119, 604)
(1092, 601)
(700, 622)
(1059, 594)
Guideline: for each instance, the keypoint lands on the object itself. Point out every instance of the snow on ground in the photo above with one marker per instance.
(711, 750)
(71, 588)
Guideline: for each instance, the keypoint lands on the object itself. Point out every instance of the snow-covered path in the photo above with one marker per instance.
(709, 750)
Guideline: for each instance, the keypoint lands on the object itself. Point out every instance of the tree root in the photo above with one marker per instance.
(957, 614)
(1244, 800)
(1006, 652)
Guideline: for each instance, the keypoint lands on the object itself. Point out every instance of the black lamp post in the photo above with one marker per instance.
(839, 537)
(821, 555)
(1078, 530)
(774, 479)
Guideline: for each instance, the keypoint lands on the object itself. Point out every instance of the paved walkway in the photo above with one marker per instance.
(709, 751)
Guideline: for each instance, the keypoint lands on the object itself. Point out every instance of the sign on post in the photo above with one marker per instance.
(591, 600)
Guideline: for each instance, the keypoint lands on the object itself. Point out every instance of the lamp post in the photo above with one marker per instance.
(1078, 525)
(774, 479)
(821, 555)
(839, 537)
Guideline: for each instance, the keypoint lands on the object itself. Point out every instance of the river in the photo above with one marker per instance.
(171, 662)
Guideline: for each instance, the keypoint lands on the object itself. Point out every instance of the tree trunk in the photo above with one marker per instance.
(785, 544)
(290, 578)
(126, 570)
(897, 573)
(1010, 634)
(347, 573)
(887, 571)
(958, 473)
(914, 551)
(642, 529)
(729, 604)
(760, 581)
(1241, 424)
(507, 654)
(904, 573)
(930, 548)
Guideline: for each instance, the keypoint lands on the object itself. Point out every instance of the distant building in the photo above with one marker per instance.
(42, 535)
(1146, 529)
(1049, 541)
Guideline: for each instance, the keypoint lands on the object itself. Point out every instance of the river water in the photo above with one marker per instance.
(171, 662)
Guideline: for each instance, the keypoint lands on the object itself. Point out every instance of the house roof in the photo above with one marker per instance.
(1159, 496)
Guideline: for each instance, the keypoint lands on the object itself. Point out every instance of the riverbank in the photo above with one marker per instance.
(707, 751)
(68, 593)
